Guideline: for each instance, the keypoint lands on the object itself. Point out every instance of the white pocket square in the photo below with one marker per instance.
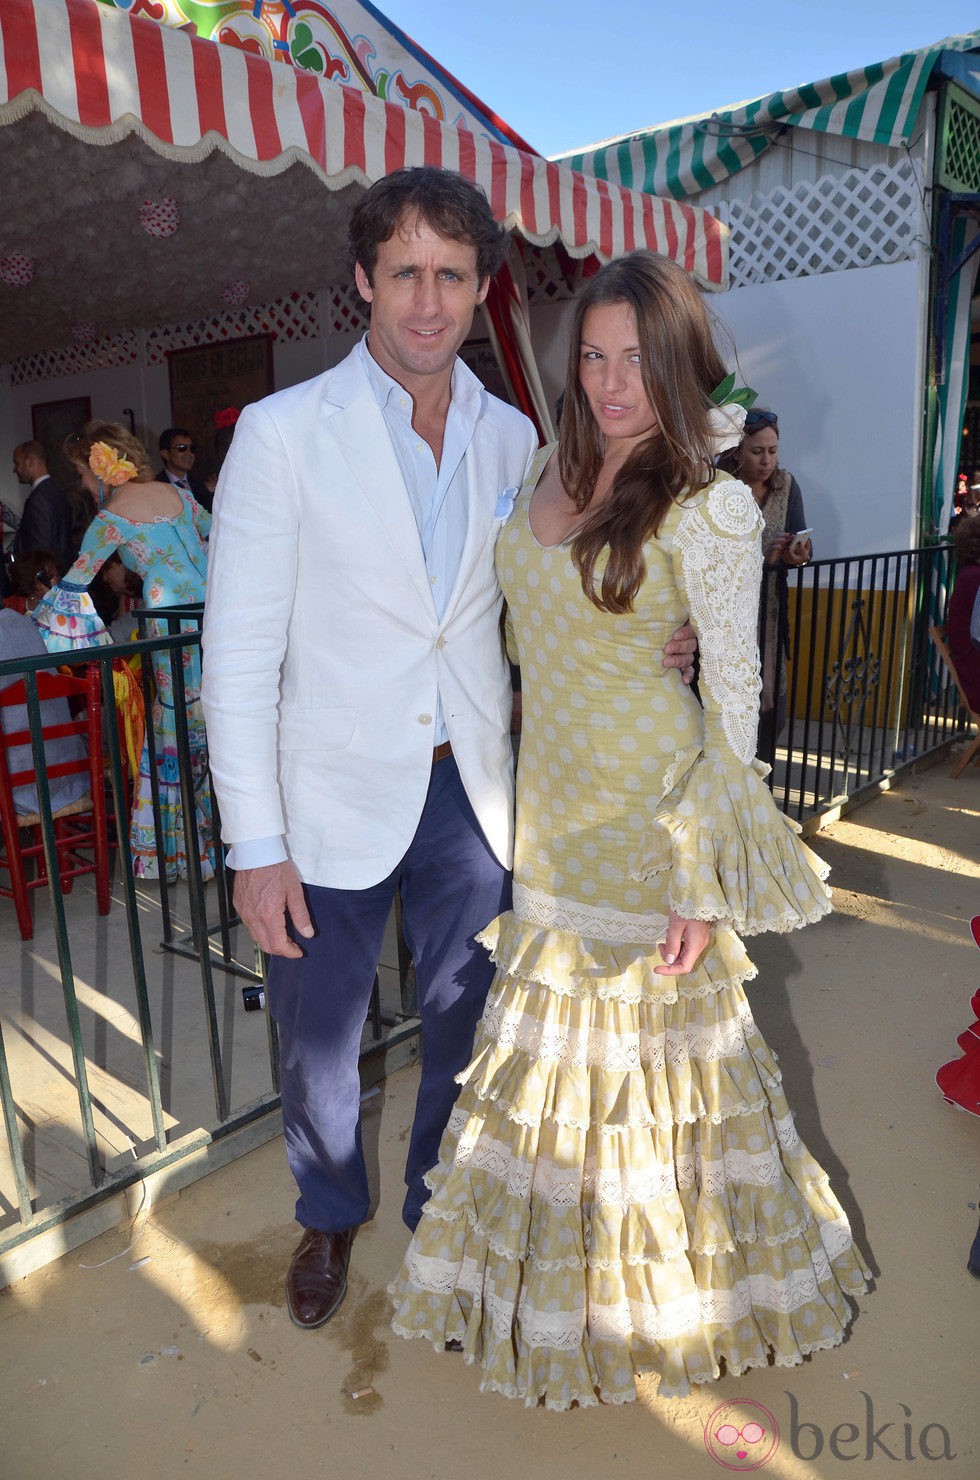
(505, 503)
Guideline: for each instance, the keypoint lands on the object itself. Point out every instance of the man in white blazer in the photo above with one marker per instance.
(356, 694)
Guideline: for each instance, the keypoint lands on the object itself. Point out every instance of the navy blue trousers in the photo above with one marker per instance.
(451, 887)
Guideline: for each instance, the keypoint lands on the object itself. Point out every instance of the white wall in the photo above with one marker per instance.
(839, 357)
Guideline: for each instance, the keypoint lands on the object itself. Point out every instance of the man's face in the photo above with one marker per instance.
(423, 298)
(178, 458)
(23, 466)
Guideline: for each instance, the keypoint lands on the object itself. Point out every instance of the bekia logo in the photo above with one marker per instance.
(742, 1435)
(900, 1439)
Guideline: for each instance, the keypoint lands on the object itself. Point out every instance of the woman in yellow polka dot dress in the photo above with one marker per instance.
(621, 1188)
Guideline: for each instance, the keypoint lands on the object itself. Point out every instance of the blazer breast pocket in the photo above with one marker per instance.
(316, 729)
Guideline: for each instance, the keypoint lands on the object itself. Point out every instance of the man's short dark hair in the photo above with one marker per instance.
(170, 435)
(32, 449)
(447, 202)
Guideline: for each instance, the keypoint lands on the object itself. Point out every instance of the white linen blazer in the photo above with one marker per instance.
(323, 654)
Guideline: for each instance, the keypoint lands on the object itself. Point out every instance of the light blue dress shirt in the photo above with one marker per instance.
(439, 497)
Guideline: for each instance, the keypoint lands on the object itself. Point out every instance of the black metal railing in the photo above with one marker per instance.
(164, 959)
(866, 692)
(865, 696)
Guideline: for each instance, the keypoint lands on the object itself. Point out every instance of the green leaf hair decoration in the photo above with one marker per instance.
(726, 394)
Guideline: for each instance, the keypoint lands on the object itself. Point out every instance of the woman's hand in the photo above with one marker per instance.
(686, 939)
(778, 551)
(798, 554)
(680, 651)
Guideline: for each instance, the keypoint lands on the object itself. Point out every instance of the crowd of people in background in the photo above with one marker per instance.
(82, 559)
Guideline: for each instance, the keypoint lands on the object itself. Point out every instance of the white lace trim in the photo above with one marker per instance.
(629, 1187)
(674, 989)
(722, 574)
(583, 1045)
(600, 922)
(565, 1187)
(739, 1168)
(532, 1118)
(680, 761)
(791, 918)
(668, 1320)
(582, 1397)
(834, 1233)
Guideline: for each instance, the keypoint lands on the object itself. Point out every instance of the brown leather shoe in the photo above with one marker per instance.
(317, 1279)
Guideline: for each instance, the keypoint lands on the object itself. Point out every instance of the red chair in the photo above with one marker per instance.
(80, 826)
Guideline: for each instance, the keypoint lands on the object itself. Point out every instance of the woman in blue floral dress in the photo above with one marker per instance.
(159, 532)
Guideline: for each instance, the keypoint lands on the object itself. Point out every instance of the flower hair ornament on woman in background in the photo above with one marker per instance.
(110, 467)
(621, 1188)
(159, 532)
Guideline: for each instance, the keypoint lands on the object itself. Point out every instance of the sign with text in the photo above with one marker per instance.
(209, 378)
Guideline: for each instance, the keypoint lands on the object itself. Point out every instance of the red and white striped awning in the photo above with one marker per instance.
(102, 75)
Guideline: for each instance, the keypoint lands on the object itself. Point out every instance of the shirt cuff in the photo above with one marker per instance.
(256, 853)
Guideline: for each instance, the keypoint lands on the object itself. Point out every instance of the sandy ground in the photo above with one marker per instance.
(166, 1349)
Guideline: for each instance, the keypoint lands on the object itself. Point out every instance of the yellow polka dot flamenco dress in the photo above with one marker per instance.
(621, 1188)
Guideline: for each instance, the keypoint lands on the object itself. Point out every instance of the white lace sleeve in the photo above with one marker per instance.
(718, 562)
(730, 854)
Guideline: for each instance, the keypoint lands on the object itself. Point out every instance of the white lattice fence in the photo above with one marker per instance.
(343, 311)
(95, 354)
(550, 278)
(294, 317)
(828, 225)
(300, 315)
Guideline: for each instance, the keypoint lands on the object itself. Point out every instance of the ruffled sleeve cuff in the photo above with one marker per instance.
(68, 620)
(731, 854)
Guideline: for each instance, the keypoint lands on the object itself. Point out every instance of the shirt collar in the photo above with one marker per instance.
(466, 392)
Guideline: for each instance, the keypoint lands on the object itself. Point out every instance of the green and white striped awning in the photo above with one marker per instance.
(879, 104)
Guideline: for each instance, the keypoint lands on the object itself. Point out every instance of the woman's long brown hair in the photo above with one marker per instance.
(681, 366)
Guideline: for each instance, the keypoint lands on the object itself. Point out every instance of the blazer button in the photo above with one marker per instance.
(440, 642)
(425, 719)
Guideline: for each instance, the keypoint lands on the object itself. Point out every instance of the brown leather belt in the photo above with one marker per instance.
(442, 752)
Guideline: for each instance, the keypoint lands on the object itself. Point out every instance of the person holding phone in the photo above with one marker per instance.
(785, 542)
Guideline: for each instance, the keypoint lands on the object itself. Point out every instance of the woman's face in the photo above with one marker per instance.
(758, 454)
(609, 374)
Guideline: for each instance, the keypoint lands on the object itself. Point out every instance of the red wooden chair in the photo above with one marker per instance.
(80, 826)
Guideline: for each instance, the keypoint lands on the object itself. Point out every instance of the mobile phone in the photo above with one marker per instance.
(800, 538)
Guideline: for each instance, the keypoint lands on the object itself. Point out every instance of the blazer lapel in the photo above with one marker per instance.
(362, 438)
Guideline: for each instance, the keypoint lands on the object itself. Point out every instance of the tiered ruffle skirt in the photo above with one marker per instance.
(621, 1189)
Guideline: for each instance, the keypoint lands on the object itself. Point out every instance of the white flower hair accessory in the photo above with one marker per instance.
(726, 418)
(727, 424)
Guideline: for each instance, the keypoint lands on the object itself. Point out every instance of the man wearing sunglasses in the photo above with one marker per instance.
(177, 455)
